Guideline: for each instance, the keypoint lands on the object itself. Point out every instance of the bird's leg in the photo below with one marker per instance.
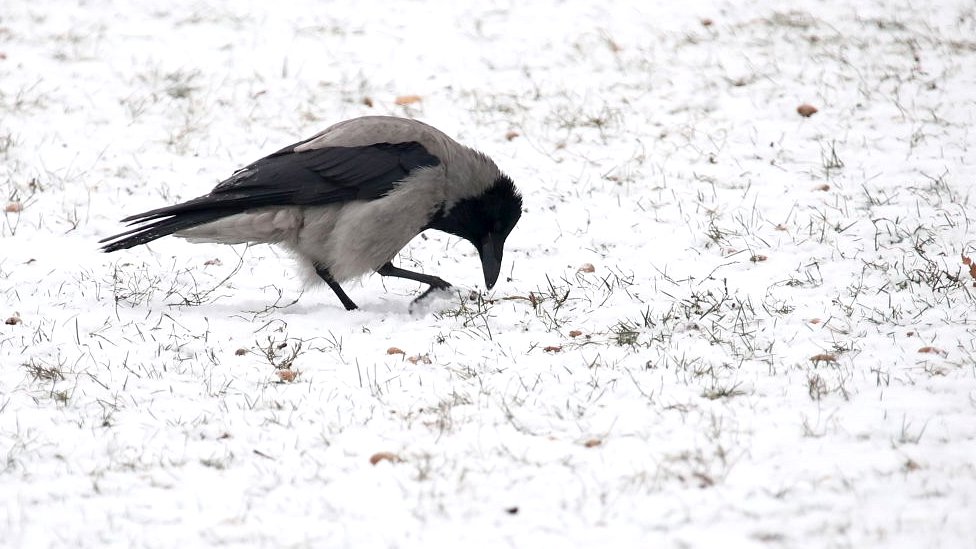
(436, 283)
(327, 277)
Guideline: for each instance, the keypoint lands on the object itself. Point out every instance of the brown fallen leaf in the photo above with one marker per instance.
(824, 187)
(404, 100)
(780, 227)
(13, 207)
(971, 264)
(511, 134)
(13, 321)
(757, 258)
(706, 22)
(241, 352)
(587, 268)
(287, 375)
(384, 456)
(212, 262)
(424, 358)
(814, 321)
(368, 101)
(823, 357)
(575, 333)
(932, 350)
(395, 351)
(552, 348)
(806, 110)
(593, 443)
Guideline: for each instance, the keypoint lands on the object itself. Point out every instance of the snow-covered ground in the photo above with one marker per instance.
(776, 346)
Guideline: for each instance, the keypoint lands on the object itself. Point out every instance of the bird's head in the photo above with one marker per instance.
(485, 221)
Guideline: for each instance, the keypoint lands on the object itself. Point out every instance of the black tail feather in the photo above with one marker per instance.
(170, 219)
(159, 228)
(226, 204)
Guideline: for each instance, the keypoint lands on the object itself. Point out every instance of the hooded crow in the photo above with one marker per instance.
(346, 200)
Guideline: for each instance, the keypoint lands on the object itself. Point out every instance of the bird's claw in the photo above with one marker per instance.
(421, 302)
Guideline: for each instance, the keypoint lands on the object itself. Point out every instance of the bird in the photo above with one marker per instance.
(345, 201)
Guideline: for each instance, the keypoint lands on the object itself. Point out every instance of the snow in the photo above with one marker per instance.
(733, 241)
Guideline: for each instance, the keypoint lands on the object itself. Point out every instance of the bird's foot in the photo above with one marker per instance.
(424, 301)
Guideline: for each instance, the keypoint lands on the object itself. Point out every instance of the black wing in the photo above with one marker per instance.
(314, 177)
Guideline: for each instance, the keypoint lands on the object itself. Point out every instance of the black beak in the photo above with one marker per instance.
(490, 250)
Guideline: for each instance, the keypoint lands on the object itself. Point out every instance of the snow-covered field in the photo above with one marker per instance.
(776, 345)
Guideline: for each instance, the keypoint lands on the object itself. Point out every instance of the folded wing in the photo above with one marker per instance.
(322, 176)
